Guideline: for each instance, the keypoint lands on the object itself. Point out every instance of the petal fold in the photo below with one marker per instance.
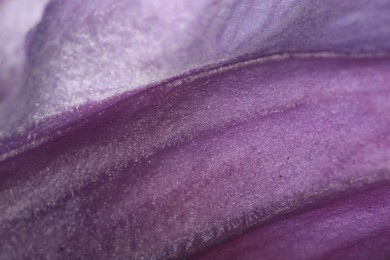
(178, 168)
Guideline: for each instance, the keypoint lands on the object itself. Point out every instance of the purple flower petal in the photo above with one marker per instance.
(17, 20)
(182, 166)
(86, 52)
(105, 155)
(352, 228)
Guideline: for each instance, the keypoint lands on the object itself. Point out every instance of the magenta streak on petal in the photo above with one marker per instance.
(177, 168)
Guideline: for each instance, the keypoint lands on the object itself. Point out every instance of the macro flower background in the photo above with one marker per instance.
(194, 129)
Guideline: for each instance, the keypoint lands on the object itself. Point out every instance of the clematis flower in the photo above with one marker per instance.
(194, 129)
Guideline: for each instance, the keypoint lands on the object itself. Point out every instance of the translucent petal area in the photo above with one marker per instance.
(87, 51)
(180, 167)
(18, 18)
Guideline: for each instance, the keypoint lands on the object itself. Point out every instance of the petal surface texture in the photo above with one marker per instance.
(352, 228)
(176, 169)
(208, 129)
(83, 53)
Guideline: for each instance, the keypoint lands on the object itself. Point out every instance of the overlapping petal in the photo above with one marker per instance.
(150, 129)
(179, 167)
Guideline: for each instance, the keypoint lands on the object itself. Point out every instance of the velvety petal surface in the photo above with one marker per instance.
(357, 227)
(180, 167)
(85, 52)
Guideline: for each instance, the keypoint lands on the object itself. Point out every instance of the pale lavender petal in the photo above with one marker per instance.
(18, 19)
(85, 52)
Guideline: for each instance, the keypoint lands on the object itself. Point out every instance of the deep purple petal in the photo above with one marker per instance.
(353, 228)
(183, 166)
